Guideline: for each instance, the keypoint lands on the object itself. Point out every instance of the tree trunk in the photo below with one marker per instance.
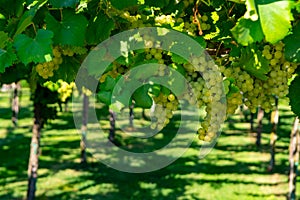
(131, 115)
(294, 152)
(273, 135)
(112, 130)
(260, 115)
(15, 103)
(84, 128)
(34, 150)
(251, 122)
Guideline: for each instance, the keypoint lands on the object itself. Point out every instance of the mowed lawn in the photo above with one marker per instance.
(235, 168)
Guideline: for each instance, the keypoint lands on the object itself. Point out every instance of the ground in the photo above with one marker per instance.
(235, 169)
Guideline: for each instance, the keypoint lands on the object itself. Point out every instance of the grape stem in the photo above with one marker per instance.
(196, 19)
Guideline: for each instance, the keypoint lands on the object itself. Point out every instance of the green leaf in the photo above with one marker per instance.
(156, 3)
(178, 59)
(34, 50)
(142, 98)
(292, 48)
(235, 51)
(275, 19)
(179, 68)
(294, 93)
(108, 84)
(201, 41)
(99, 28)
(3, 39)
(165, 91)
(63, 3)
(26, 19)
(104, 97)
(247, 31)
(7, 57)
(155, 89)
(121, 4)
(298, 6)
(254, 63)
(70, 31)
(67, 71)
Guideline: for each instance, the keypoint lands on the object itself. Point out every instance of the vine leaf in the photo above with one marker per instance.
(247, 31)
(294, 92)
(27, 17)
(104, 97)
(123, 4)
(3, 39)
(292, 48)
(155, 3)
(275, 19)
(70, 31)
(178, 59)
(142, 98)
(108, 84)
(67, 71)
(7, 57)
(36, 49)
(254, 63)
(63, 3)
(99, 28)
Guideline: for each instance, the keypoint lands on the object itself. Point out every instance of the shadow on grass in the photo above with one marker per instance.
(167, 183)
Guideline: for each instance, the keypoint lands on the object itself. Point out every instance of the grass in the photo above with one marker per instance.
(235, 168)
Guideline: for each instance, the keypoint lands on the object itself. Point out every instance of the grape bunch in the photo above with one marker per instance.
(164, 107)
(47, 69)
(65, 90)
(70, 51)
(206, 82)
(257, 92)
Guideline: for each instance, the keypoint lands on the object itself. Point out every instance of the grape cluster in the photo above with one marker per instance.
(46, 69)
(206, 82)
(72, 50)
(65, 90)
(164, 107)
(257, 92)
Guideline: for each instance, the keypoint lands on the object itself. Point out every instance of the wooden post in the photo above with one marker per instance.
(260, 115)
(84, 128)
(251, 121)
(293, 152)
(33, 163)
(273, 135)
(112, 130)
(131, 115)
(15, 103)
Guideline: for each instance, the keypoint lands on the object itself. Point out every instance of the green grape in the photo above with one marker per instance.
(204, 18)
(65, 90)
(163, 110)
